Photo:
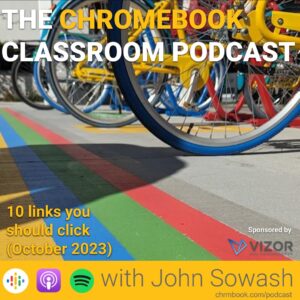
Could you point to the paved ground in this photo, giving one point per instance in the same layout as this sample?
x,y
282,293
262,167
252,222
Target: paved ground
x,y
259,188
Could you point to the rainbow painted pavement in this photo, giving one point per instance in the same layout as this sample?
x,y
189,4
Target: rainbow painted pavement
x,y
142,222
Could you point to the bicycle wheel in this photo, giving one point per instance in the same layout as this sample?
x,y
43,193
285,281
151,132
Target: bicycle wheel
x,y
43,85
24,86
94,100
281,76
196,134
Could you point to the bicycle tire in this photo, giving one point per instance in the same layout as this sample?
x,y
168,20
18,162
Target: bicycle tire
x,y
16,68
80,115
171,135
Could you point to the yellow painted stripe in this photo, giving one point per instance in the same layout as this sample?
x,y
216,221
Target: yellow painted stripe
x,y
13,196
2,142
131,129
220,129
134,129
10,185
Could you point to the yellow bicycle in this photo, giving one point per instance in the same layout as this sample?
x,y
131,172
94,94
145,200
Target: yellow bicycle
x,y
202,107
229,125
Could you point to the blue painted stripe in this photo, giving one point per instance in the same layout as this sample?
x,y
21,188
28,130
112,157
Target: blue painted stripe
x,y
37,175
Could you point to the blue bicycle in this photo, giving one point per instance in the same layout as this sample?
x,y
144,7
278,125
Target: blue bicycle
x,y
98,103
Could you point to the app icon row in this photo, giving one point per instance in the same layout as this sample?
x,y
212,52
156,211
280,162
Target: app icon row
x,y
16,281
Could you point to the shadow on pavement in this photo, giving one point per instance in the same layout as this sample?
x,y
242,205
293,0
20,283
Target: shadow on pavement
x,y
58,180
276,147
285,145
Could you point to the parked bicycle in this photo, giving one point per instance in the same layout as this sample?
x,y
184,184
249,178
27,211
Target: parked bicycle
x,y
229,126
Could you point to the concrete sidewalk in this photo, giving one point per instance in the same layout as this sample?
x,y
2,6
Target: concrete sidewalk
x,y
259,188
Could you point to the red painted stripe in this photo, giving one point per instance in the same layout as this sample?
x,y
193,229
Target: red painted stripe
x,y
199,227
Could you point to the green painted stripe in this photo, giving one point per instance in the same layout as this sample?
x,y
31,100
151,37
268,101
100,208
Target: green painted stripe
x,y
143,234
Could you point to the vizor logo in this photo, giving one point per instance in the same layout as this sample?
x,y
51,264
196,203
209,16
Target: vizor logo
x,y
270,246
237,247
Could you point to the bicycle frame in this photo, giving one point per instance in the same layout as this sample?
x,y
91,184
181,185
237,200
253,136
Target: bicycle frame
x,y
259,32
168,66
58,8
185,66
44,36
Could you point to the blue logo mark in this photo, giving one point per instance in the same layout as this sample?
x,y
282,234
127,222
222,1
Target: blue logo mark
x,y
237,247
